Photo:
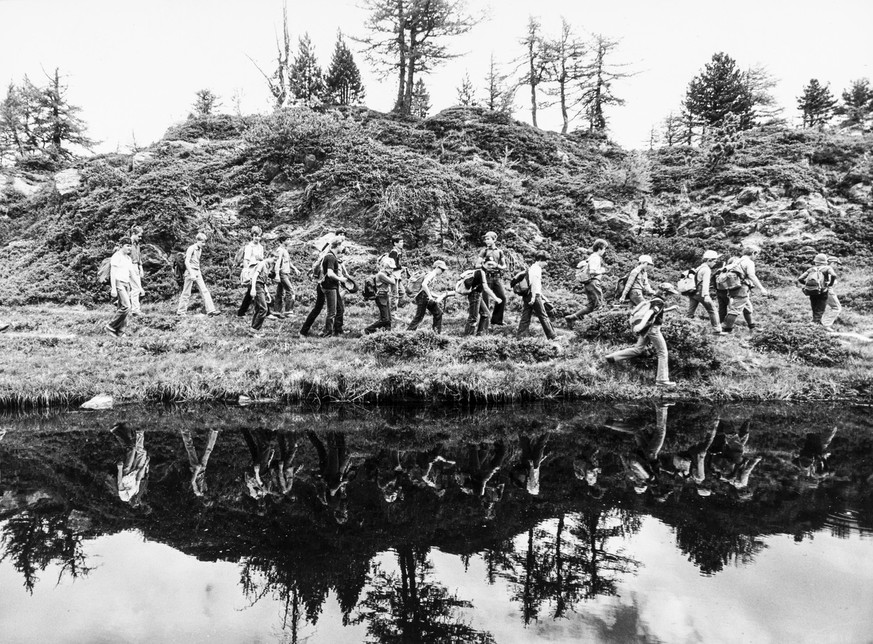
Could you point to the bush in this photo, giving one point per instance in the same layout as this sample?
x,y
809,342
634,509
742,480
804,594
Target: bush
x,y
403,344
807,343
607,326
494,348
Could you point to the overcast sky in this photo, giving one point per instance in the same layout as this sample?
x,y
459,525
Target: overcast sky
x,y
134,65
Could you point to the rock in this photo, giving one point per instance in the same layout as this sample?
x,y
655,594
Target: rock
x,y
859,193
743,214
749,194
100,401
310,163
601,205
817,205
24,187
142,157
20,243
67,181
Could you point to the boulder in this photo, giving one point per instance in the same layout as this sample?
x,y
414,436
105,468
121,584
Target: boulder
x,y
67,181
817,204
100,401
142,157
743,214
859,193
748,195
310,163
602,205
24,187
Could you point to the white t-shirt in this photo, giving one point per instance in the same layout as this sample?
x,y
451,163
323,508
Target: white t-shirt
x,y
119,267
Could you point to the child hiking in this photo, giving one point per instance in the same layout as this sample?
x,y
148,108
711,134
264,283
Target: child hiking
x,y
493,261
590,273
701,294
816,283
425,299
637,283
534,301
741,293
385,283
193,275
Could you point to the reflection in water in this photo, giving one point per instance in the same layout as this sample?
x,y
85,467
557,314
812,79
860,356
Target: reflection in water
x,y
552,505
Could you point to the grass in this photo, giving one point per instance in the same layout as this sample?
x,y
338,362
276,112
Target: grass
x,y
58,356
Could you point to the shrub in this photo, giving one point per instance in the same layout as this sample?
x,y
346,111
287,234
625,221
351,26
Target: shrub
x,y
607,326
494,348
403,344
806,343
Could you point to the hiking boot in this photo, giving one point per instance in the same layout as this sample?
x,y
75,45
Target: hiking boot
x,y
610,360
726,331
719,332
214,314
568,321
109,329
665,383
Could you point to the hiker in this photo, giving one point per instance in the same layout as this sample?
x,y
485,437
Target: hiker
x,y
134,468
136,272
284,296
335,471
834,308
260,294
816,283
333,299
525,471
590,272
261,449
648,317
493,260
318,275
534,302
721,293
637,283
253,253
426,300
120,269
399,256
478,311
197,464
701,294
385,283
740,296
193,275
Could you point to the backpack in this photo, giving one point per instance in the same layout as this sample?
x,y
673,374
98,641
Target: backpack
x,y
177,261
520,283
619,286
415,282
728,277
464,285
816,281
103,270
583,271
643,315
369,292
687,284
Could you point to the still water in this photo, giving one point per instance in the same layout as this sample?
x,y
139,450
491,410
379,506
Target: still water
x,y
637,523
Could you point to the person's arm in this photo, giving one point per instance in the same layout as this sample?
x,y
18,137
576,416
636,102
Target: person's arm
x,y
113,285
501,261
487,290
254,282
750,273
627,285
832,276
704,277
386,278
188,255
802,279
277,266
294,268
425,284
645,284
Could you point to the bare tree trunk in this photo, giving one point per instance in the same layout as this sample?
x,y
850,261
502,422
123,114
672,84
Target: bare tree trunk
x,y
410,71
402,57
564,115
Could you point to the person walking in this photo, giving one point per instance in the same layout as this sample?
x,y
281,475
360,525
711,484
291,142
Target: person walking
x,y
330,285
136,272
132,471
637,283
816,283
284,296
385,282
398,254
120,269
317,272
741,296
428,302
478,311
721,294
193,275
253,254
591,271
650,316
834,308
260,293
701,295
493,261
534,301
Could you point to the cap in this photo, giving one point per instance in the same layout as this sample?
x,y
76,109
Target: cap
x,y
646,259
710,254
821,258
388,262
440,264
667,287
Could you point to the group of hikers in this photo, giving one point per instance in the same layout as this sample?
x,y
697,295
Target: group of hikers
x,y
721,285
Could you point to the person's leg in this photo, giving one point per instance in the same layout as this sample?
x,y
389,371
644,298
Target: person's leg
x,y
473,301
246,301
383,307
540,310
524,320
736,306
260,313
122,308
330,302
631,352
185,297
832,311
394,289
747,312
713,314
204,293
420,309
657,340
588,307
484,316
135,291
436,310
315,312
496,284
339,320
693,301
819,302
723,302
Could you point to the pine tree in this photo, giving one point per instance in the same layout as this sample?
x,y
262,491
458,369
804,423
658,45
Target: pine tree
x,y
59,122
857,107
717,91
564,68
671,133
498,97
306,82
534,63
343,79
816,104
205,102
466,93
596,82
277,81
420,100
759,84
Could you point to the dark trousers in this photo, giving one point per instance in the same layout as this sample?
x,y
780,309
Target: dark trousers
x,y
424,304
723,301
594,293
284,299
383,304
122,307
315,312
534,307
495,283
478,314
333,322
261,308
818,302
246,301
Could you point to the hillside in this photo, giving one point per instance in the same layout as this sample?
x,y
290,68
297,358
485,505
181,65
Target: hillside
x,y
442,182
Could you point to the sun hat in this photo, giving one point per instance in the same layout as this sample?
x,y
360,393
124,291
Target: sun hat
x,y
440,264
821,258
667,287
710,254
646,259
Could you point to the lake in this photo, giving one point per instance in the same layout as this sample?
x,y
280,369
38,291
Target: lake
x,y
542,523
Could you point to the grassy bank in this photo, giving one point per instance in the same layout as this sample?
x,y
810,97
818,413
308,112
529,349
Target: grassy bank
x,y
58,356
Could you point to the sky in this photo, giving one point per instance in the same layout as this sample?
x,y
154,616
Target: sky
x,y
133,66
